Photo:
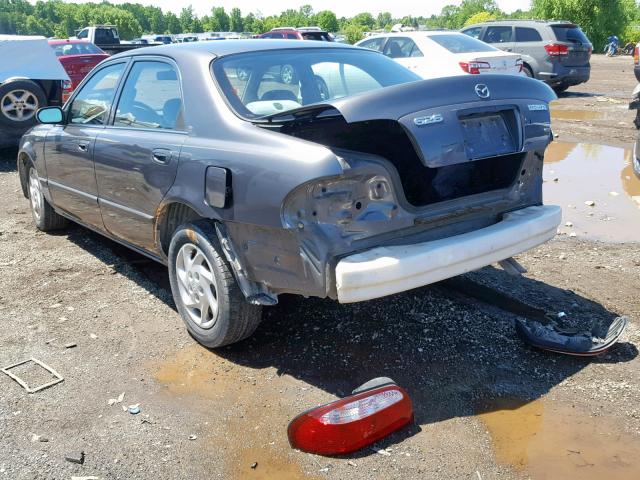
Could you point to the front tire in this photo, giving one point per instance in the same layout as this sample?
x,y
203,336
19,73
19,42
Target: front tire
x,y
44,216
205,290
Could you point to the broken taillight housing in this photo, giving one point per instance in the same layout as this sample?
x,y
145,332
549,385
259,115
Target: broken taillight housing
x,y
353,422
556,50
474,68
67,90
519,65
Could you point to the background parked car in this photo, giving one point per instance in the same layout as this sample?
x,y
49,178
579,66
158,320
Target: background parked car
x,y
303,33
78,58
444,54
557,52
31,80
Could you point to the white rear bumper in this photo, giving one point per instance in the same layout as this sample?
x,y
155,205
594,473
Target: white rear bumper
x,y
387,270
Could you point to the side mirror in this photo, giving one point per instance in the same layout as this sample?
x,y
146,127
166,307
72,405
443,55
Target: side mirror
x,y
50,115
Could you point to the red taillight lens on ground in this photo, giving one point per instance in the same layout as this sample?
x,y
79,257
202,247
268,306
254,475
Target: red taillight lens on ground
x,y
556,50
67,90
474,68
352,423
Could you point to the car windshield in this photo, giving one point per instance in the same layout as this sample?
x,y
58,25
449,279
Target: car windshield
x,y
83,48
460,43
260,84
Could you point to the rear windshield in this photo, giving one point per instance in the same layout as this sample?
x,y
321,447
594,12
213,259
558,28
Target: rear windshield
x,y
460,43
263,83
84,48
322,36
570,33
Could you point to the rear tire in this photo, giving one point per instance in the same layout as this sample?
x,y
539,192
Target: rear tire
x,y
560,89
19,103
44,216
205,290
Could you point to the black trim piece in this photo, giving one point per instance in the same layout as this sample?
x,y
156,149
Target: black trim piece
x,y
125,209
72,190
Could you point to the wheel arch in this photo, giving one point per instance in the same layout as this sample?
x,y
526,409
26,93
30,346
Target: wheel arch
x,y
24,159
169,216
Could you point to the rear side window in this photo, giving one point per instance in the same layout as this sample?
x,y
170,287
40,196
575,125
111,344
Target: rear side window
x,y
150,98
473,32
527,35
91,105
498,35
105,35
401,48
569,33
292,36
459,43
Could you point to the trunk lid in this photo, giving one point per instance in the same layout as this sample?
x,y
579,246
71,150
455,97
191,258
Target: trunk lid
x,y
454,120
78,66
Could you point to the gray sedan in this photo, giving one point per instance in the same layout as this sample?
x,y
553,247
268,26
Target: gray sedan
x,y
256,168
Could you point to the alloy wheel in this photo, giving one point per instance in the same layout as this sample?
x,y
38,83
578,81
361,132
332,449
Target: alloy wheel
x,y
35,193
196,283
19,105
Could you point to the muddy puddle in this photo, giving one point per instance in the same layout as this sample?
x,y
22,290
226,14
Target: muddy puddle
x,y
549,441
246,412
578,115
576,173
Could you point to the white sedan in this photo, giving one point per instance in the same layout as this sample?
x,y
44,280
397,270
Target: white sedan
x,y
434,54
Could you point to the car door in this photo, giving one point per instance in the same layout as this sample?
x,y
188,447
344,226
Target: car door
x,y
500,36
69,148
136,155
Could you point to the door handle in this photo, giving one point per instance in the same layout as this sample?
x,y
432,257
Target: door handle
x,y
161,156
83,147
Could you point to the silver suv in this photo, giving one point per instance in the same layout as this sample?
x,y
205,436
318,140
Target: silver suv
x,y
556,52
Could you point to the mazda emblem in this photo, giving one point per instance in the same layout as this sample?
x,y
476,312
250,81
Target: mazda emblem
x,y
482,91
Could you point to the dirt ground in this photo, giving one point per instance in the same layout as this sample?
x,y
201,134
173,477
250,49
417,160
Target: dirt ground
x,y
486,405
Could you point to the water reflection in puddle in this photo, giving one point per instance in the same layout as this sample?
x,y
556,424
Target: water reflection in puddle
x,y
556,441
576,173
567,114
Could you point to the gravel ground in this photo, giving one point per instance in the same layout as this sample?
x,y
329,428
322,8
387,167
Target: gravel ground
x,y
486,406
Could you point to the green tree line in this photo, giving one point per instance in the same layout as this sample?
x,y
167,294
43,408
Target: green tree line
x,y
598,18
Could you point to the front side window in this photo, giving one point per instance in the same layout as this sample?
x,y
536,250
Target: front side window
x,y
91,104
498,35
151,97
83,34
260,84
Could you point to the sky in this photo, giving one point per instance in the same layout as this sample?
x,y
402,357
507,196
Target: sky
x,y
346,8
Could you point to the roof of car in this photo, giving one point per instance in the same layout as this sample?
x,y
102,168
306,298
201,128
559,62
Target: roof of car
x,y
70,41
521,22
230,47
419,33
